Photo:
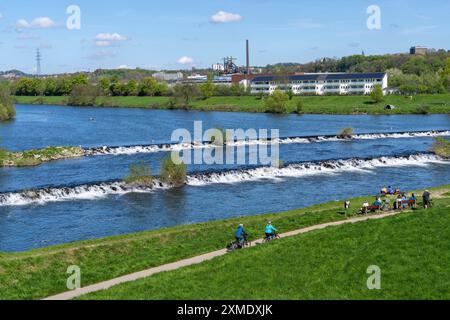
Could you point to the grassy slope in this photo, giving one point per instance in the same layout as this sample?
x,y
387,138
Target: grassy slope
x,y
316,105
412,250
40,273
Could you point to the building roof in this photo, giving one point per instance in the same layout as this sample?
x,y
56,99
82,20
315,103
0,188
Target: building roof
x,y
321,77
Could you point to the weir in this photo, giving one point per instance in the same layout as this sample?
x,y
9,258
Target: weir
x,y
244,174
169,147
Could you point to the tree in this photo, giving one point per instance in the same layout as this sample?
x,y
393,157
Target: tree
x,y
173,173
184,94
7,110
277,102
130,88
377,94
105,85
84,95
207,89
445,75
148,87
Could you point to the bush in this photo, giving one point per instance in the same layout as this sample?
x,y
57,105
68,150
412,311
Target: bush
x,y
441,147
139,175
184,94
299,106
7,110
422,110
345,133
277,102
173,173
84,95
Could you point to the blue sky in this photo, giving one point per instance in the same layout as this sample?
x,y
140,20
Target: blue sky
x,y
173,34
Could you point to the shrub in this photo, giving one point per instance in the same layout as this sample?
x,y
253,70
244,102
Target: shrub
x,y
139,175
299,106
422,110
277,102
7,110
345,133
184,94
173,173
83,95
441,147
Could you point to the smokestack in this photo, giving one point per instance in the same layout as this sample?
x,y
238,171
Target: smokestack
x,y
248,56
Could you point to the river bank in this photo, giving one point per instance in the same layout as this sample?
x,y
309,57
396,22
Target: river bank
x,y
345,105
40,273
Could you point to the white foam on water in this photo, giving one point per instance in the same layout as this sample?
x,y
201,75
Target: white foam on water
x,y
292,140
311,168
101,190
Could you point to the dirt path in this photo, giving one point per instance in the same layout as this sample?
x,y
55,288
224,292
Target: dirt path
x,y
199,259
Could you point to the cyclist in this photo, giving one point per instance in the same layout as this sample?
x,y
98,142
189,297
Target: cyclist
x,y
270,231
240,235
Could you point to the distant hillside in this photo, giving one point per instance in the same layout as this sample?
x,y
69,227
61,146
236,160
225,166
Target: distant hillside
x,y
409,64
13,73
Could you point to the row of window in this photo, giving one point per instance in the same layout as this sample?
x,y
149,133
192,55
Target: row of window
x,y
312,81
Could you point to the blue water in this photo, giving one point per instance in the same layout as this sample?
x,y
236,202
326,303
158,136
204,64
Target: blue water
x,y
37,225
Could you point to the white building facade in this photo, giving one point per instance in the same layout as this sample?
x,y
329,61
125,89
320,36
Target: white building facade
x,y
321,83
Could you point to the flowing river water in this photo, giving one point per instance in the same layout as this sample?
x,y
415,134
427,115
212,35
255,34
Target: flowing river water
x,y
78,199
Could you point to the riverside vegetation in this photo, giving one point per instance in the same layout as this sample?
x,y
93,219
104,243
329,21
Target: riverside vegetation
x,y
37,157
419,104
7,110
441,147
172,173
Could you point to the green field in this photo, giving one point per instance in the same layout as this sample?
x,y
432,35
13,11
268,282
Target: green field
x,y
42,272
412,250
436,104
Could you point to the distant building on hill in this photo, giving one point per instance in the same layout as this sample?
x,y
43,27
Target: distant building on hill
x,y
169,77
418,50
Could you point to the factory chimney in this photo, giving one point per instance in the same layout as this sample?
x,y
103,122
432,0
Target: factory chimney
x,y
248,57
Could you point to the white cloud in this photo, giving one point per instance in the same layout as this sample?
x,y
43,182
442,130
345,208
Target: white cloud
x,y
1,15
124,66
38,23
185,60
225,17
110,37
43,22
22,24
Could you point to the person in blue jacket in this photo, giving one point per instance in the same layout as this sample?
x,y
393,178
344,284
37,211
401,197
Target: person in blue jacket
x,y
240,234
270,230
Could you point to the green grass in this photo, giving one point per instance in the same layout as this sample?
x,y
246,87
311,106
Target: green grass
x,y
42,272
412,250
36,157
435,104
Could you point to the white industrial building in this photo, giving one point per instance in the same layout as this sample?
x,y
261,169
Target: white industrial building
x,y
321,83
